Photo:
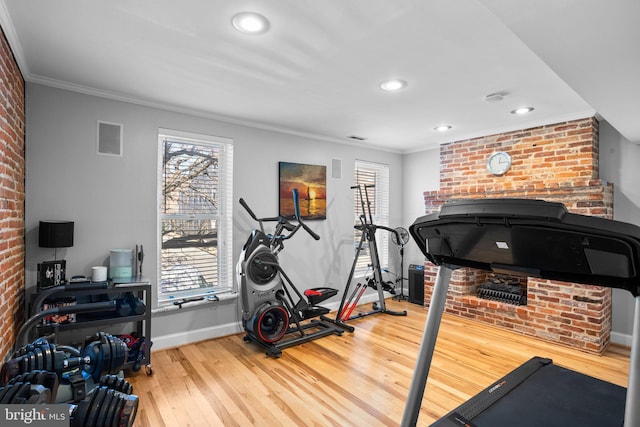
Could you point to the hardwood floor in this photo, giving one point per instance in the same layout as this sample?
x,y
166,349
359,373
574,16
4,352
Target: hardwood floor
x,y
358,379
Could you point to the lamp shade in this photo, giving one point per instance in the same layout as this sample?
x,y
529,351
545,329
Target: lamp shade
x,y
56,234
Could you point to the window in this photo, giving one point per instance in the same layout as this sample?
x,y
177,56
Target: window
x,y
368,173
194,215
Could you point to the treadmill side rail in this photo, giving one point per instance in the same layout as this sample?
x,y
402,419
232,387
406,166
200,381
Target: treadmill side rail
x,y
427,347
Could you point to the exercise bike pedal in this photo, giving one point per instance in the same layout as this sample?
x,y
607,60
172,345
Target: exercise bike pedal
x,y
317,295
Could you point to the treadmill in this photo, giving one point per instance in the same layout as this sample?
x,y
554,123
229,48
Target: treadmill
x,y
539,239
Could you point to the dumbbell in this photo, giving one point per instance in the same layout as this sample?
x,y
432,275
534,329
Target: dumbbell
x,y
105,406
130,306
116,383
40,355
32,388
44,386
24,393
103,354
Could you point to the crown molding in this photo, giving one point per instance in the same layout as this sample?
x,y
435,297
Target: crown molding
x,y
12,38
46,81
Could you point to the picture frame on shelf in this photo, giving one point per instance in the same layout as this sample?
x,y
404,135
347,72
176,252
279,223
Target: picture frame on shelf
x,y
51,273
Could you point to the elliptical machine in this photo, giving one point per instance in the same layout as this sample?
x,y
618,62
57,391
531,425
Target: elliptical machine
x,y
368,230
270,316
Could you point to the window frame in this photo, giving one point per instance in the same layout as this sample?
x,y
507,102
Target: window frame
x,y
223,216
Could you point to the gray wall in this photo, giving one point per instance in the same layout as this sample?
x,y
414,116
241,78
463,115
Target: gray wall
x,y
420,173
619,161
113,200
114,204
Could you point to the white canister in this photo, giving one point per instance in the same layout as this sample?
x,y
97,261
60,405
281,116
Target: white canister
x,y
99,274
121,263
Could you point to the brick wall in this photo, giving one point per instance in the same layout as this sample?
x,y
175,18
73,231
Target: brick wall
x,y
12,173
553,156
557,163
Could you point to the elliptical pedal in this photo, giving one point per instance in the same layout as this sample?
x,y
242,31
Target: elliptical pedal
x,y
317,295
314,311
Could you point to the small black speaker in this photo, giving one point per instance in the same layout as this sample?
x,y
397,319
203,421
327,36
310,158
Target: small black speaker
x,y
416,284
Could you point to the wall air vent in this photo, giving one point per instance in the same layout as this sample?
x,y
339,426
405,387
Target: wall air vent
x,y
109,138
336,168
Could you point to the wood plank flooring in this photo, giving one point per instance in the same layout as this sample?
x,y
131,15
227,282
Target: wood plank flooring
x,y
357,379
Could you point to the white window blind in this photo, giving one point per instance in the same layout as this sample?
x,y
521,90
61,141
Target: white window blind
x,y
195,215
377,174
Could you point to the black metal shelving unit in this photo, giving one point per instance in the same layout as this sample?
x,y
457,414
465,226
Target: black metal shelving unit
x,y
138,286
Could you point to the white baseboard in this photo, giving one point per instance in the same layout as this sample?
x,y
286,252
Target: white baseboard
x,y
188,337
622,339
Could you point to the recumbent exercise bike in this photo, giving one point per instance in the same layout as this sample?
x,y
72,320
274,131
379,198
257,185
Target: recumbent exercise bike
x,y
271,317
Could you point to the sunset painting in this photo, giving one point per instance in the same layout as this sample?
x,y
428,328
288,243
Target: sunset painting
x,y
311,182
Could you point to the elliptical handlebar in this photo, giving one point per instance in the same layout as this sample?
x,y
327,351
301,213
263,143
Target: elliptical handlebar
x,y
250,212
283,221
296,209
248,209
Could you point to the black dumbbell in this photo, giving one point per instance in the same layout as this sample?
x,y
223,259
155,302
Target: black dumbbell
x,y
40,355
103,354
105,406
44,386
137,306
116,383
130,305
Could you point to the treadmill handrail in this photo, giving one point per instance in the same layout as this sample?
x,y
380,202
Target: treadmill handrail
x,y
459,239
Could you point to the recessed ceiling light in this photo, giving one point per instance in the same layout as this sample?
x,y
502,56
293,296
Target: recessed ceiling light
x,y
393,85
250,23
442,128
522,110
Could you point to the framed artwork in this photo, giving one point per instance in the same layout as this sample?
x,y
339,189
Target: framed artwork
x,y
51,273
311,182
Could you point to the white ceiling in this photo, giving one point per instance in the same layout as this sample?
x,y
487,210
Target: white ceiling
x,y
316,72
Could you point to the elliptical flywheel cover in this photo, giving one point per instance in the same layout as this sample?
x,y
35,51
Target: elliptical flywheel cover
x,y
261,273
270,322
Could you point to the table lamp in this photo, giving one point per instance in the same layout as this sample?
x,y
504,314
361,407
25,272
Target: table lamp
x,y
56,234
53,234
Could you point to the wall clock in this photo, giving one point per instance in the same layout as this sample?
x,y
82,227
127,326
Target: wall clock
x,y
499,163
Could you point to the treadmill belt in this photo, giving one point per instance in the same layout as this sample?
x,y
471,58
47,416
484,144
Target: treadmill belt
x,y
551,396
